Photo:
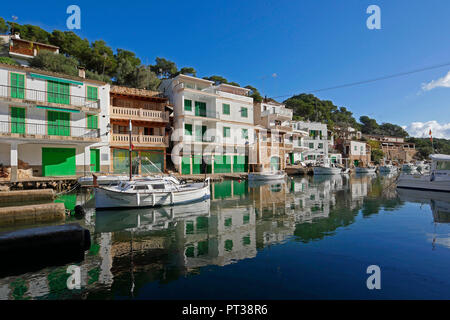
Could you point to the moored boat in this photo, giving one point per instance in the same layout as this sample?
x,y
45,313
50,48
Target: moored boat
x,y
267,176
370,169
438,179
160,191
328,170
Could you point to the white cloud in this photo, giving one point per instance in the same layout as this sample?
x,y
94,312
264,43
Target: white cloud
x,y
443,82
422,129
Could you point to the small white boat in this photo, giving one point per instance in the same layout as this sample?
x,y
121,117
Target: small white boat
x,y
388,168
267,176
408,167
369,169
153,192
437,180
328,170
103,180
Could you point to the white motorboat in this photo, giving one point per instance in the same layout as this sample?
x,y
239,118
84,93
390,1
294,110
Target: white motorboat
x,y
370,169
328,170
408,167
154,192
266,176
103,180
437,180
388,168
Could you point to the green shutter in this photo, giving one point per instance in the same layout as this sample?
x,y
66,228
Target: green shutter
x,y
18,120
245,133
58,92
58,123
188,105
188,129
186,165
95,160
92,93
92,121
240,164
225,108
200,109
58,162
244,112
17,86
226,132
200,133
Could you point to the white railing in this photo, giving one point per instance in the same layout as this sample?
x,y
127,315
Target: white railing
x,y
117,138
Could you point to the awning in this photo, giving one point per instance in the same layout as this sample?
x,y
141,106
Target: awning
x,y
40,76
58,109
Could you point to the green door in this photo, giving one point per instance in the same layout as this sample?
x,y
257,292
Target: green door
x,y
222,164
58,123
58,92
17,120
356,163
200,133
186,165
200,109
197,165
275,163
58,162
95,160
291,157
240,164
17,86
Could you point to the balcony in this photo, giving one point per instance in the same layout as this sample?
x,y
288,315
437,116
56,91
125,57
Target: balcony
x,y
38,97
122,140
139,114
284,128
273,113
44,131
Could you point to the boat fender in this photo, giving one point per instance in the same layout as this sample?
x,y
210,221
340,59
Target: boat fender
x,y
138,199
79,211
153,199
171,198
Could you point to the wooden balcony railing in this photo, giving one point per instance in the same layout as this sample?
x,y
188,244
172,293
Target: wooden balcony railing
x,y
139,114
124,139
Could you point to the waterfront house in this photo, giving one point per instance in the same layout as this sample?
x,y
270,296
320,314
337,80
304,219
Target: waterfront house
x,y
51,124
358,153
394,148
149,117
317,142
213,125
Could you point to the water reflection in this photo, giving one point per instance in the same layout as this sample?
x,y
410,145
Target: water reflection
x,y
135,248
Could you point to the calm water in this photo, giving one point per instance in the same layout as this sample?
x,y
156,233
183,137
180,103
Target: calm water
x,y
309,238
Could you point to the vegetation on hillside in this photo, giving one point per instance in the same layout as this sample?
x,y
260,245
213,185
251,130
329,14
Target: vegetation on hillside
x,y
424,148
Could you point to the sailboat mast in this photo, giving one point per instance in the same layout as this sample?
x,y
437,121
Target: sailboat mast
x,y
129,130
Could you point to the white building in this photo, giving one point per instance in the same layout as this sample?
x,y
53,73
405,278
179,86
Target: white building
x,y
316,143
213,125
52,124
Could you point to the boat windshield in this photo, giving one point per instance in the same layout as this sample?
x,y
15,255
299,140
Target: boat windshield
x,y
442,165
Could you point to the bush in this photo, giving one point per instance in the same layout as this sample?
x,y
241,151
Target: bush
x,y
49,61
8,60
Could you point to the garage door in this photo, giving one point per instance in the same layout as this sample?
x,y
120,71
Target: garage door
x,y
58,162
186,165
240,164
222,164
152,161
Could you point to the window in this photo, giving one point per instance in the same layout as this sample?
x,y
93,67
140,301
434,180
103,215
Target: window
x,y
225,108
228,245
244,112
311,145
17,120
17,85
356,148
320,146
58,92
92,121
228,222
58,123
226,132
187,105
246,219
245,134
442,165
188,129
362,148
200,109
92,93
149,131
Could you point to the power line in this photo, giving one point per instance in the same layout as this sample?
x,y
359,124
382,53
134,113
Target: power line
x,y
351,84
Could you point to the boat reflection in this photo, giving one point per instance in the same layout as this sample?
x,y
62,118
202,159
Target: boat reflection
x,y
439,202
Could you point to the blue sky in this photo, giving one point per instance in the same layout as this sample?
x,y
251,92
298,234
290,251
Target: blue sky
x,y
307,44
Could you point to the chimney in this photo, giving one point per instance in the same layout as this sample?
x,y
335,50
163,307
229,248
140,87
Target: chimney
x,y
82,72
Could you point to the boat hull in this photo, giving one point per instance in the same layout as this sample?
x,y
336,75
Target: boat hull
x,y
107,199
265,177
423,182
326,171
365,170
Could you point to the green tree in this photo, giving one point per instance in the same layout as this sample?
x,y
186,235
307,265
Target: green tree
x,y
254,93
188,71
164,68
49,61
102,59
8,60
30,32
127,63
377,155
145,78
216,79
3,26
369,126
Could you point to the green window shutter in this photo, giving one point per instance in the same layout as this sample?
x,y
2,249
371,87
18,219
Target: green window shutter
x,y
187,105
188,129
200,109
58,123
244,133
17,86
92,121
18,120
225,108
92,93
58,92
200,132
226,132
244,112
311,145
